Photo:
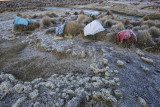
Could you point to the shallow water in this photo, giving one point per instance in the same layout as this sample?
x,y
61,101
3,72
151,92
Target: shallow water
x,y
89,11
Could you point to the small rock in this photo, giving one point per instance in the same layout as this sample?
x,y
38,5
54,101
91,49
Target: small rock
x,y
37,104
120,63
69,51
105,61
34,94
52,93
140,53
112,82
5,86
142,102
118,93
19,102
57,38
145,69
147,60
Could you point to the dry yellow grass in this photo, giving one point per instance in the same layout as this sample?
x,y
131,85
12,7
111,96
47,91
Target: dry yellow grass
x,y
155,32
109,12
80,18
25,16
101,15
136,23
118,27
51,14
150,23
144,39
145,18
18,14
81,12
31,26
72,28
45,21
127,21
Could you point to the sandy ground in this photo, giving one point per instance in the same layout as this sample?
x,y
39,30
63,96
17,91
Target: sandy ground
x,y
38,71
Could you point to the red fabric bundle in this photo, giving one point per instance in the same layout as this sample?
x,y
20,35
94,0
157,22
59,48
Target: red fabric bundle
x,y
126,34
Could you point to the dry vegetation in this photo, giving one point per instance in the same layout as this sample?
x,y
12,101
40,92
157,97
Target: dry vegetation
x,y
72,28
144,39
45,21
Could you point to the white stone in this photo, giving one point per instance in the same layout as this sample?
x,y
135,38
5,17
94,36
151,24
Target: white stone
x,y
19,102
120,63
34,94
105,61
140,53
5,86
52,93
145,69
150,61
49,84
142,102
118,93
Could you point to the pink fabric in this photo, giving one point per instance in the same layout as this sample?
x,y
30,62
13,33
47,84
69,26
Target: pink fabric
x,y
126,34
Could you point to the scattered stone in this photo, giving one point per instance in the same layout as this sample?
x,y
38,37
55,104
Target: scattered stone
x,y
74,102
145,69
52,93
112,82
147,60
118,93
142,102
19,102
57,38
115,71
120,63
37,104
105,61
5,86
140,53
49,84
34,94
69,51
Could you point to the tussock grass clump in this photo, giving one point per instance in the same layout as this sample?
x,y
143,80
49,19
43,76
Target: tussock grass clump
x,y
87,20
136,23
45,21
144,39
51,14
25,16
112,37
109,12
101,15
109,23
18,14
81,12
127,21
150,23
98,36
118,27
143,27
72,28
67,13
75,13
155,32
31,26
80,18
146,17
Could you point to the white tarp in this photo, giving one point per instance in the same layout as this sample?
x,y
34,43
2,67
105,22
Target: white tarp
x,y
93,28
